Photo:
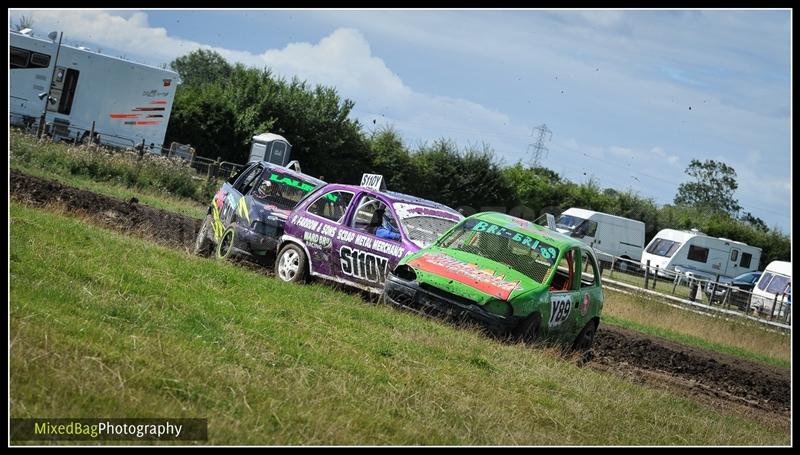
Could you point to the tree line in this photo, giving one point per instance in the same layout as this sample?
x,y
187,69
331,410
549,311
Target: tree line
x,y
219,106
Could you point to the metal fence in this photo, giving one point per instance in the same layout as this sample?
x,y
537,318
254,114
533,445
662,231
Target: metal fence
x,y
208,168
711,295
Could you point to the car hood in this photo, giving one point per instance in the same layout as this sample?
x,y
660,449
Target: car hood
x,y
468,275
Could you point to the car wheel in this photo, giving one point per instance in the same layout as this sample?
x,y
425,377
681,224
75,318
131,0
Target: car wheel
x,y
622,265
225,246
584,340
528,330
290,265
203,245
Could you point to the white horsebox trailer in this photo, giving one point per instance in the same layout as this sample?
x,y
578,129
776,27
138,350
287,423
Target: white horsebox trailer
x,y
692,252
129,102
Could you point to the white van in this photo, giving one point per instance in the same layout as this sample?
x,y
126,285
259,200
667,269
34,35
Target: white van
x,y
695,253
773,291
609,235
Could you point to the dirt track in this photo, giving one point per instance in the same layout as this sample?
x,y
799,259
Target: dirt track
x,y
166,228
718,377
702,371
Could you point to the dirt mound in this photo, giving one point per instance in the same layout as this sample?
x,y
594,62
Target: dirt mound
x,y
708,372
166,228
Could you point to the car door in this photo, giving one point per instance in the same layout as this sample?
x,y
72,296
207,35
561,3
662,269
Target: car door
x,y
320,225
226,200
565,298
590,297
367,240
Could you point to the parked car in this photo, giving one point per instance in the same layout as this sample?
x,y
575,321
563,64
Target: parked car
x,y
355,234
514,276
247,214
740,288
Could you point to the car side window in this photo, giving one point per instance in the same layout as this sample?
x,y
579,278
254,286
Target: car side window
x,y
248,180
251,180
236,176
332,205
589,270
375,218
564,278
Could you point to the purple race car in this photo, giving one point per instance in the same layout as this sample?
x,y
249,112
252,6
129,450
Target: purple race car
x,y
355,234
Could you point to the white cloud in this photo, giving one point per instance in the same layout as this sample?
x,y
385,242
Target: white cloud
x,y
343,60
655,154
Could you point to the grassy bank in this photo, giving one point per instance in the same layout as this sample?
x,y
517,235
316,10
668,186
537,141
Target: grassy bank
x,y
118,174
746,340
115,326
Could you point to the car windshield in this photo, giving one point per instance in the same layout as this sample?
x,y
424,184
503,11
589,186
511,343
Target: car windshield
x,y
569,222
748,278
423,225
281,190
523,253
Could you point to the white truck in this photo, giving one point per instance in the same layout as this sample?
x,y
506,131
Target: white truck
x,y
699,255
129,102
609,235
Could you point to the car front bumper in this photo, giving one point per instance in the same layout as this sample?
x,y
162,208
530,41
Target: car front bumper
x,y
410,295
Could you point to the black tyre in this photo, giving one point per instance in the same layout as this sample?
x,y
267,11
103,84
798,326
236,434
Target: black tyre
x,y
225,245
290,265
584,340
528,330
203,244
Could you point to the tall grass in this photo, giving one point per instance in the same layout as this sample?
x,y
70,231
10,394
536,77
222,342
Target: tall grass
x,y
112,326
172,176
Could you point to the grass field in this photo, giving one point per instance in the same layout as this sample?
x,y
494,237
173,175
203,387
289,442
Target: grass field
x,y
748,341
104,325
663,285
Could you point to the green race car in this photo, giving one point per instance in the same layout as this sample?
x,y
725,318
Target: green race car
x,y
515,276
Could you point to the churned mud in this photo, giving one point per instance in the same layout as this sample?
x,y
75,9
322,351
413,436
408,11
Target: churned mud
x,y
698,371
167,228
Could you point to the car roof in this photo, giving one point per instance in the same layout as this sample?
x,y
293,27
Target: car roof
x,y
285,170
530,229
393,196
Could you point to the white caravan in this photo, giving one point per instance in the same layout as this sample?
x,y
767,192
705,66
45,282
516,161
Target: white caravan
x,y
129,102
609,235
773,291
699,255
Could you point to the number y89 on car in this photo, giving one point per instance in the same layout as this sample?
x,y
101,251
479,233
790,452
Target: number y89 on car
x,y
560,306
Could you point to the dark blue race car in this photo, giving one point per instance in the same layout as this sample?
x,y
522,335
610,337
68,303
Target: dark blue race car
x,y
247,214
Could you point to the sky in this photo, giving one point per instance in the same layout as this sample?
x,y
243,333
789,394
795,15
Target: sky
x,y
630,97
